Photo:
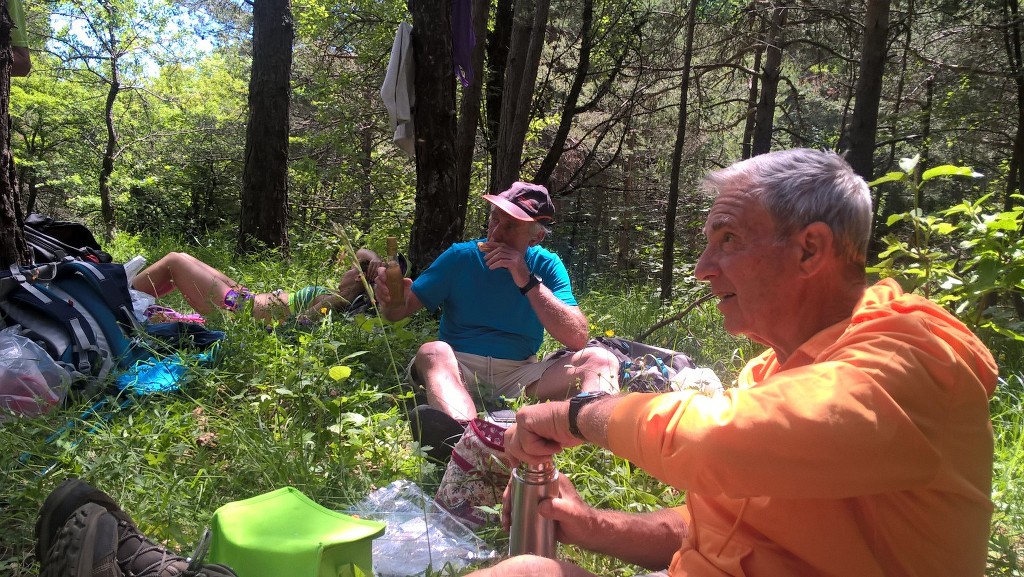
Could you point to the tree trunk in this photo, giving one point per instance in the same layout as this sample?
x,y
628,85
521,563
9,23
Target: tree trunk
x,y
469,115
110,152
906,52
860,135
531,17
752,92
437,222
366,195
547,166
1012,32
264,212
625,244
926,132
668,248
498,41
764,117
27,177
12,241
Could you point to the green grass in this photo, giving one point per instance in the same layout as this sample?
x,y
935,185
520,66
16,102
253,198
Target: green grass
x,y
272,412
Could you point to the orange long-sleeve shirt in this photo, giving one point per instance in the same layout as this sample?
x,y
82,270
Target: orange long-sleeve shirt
x,y
868,453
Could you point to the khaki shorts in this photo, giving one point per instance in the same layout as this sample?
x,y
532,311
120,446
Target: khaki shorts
x,y
488,378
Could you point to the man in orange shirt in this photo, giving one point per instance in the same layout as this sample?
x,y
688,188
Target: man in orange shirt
x,y
858,444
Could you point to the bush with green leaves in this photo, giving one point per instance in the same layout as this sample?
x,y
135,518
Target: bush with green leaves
x,y
969,257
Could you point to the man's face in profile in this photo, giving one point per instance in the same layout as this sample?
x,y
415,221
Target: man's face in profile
x,y
749,269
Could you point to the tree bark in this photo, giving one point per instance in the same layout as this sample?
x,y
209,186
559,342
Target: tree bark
x,y
861,133
12,241
469,116
625,243
1012,40
531,17
498,41
752,92
264,211
366,134
437,222
668,248
110,152
547,166
764,116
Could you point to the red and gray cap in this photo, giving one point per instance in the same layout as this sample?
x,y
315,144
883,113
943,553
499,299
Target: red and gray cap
x,y
525,201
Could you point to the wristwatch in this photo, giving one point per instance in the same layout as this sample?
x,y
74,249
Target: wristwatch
x,y
534,281
576,404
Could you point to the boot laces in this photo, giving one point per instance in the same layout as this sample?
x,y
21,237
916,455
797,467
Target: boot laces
x,y
167,560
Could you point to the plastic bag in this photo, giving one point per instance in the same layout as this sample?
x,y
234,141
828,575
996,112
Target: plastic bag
x,y
140,302
419,534
31,382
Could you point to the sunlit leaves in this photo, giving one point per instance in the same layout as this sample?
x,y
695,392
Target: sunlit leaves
x,y
339,372
967,257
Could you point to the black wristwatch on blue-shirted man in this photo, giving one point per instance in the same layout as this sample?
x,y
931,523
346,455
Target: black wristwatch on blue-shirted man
x,y
534,281
576,404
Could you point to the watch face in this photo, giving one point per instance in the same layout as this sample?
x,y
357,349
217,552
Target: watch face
x,y
588,394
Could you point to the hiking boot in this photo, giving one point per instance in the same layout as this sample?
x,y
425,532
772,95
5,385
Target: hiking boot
x,y
138,556
84,546
135,554
434,428
67,498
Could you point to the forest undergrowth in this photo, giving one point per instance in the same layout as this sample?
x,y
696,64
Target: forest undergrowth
x,y
320,408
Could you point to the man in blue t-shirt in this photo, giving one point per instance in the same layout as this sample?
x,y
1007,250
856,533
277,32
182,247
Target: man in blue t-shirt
x,y
497,296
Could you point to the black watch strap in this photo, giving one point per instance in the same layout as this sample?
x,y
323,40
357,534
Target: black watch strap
x,y
576,404
530,284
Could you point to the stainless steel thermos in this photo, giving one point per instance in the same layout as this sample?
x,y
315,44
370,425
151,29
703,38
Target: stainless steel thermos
x,y
530,532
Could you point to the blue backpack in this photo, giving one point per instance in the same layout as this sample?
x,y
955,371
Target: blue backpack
x,y
79,312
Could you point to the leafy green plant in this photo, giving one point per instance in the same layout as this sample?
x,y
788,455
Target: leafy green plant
x,y
967,257
1005,542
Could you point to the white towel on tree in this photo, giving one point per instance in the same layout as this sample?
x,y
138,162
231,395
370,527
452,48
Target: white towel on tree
x,y
397,90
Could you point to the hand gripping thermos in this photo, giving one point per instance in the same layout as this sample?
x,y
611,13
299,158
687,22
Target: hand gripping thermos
x,y
530,532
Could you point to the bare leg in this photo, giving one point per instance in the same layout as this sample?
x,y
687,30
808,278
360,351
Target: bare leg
x,y
437,366
202,285
532,566
589,369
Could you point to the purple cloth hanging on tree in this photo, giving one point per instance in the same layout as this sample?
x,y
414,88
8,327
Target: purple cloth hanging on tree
x,y
463,40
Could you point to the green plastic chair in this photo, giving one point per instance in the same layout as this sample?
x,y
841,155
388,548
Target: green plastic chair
x,y
284,533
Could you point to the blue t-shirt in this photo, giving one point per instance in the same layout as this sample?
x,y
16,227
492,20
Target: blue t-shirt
x,y
482,310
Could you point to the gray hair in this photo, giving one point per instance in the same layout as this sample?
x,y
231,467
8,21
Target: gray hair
x,y
802,186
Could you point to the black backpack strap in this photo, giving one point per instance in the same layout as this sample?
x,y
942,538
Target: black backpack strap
x,y
85,351
111,283
44,247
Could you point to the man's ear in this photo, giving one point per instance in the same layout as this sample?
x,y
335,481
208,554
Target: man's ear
x,y
538,237
817,246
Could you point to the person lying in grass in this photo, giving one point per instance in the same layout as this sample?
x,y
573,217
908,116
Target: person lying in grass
x,y
206,289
